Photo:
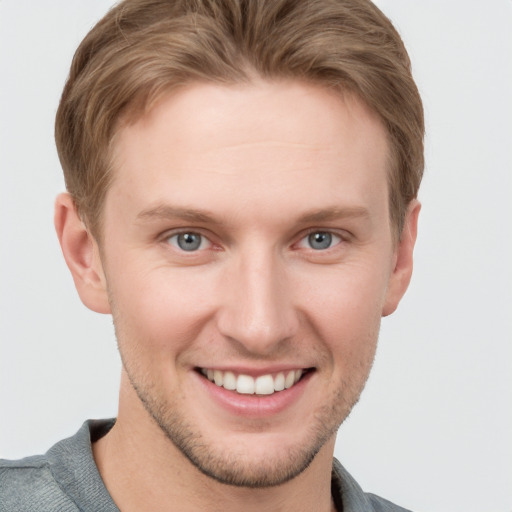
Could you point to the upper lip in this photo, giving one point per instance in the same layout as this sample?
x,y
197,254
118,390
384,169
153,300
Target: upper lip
x,y
256,372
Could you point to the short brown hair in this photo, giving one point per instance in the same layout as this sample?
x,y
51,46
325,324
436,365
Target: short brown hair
x,y
143,48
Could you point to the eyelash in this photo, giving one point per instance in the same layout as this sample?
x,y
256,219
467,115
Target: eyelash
x,y
203,240
334,240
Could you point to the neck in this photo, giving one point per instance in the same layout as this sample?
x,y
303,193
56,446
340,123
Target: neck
x,y
143,470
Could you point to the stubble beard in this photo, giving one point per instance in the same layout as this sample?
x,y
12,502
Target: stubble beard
x,y
233,468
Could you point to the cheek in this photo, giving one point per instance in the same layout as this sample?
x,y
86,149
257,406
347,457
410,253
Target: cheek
x,y
344,307
164,308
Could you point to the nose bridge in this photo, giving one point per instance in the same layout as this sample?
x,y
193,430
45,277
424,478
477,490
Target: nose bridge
x,y
258,308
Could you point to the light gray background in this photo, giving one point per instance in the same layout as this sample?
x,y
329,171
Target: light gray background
x,y
433,431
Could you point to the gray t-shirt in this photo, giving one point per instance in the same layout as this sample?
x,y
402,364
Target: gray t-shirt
x,y
66,479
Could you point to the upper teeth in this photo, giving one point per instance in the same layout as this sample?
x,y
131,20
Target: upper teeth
x,y
247,385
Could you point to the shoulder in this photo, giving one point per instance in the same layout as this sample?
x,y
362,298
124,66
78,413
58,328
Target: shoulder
x,y
28,484
65,479
382,505
349,497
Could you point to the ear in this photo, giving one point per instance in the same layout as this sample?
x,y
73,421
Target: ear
x,y
402,260
82,255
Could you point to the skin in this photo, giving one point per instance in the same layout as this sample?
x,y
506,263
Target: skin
x,y
254,175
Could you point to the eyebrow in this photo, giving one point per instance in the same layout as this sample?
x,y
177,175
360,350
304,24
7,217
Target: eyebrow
x,y
164,212
167,212
330,214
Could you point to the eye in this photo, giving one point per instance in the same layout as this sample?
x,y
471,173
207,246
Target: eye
x,y
189,241
320,240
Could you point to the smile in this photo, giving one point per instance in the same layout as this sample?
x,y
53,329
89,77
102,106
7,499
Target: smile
x,y
246,385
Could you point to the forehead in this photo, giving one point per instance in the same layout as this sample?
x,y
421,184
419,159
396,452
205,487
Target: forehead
x,y
282,143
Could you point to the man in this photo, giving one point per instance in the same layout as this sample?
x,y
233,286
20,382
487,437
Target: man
x,y
242,180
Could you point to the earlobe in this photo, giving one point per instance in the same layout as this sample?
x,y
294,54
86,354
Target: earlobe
x,y
82,255
403,260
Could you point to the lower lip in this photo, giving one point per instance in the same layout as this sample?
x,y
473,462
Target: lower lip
x,y
255,406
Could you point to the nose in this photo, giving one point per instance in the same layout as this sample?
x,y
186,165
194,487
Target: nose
x,y
258,311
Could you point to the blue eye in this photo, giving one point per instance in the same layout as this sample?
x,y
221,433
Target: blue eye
x,y
320,240
188,241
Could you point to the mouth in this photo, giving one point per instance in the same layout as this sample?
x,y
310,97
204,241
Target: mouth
x,y
266,384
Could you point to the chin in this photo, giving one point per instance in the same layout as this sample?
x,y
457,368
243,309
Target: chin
x,y
256,459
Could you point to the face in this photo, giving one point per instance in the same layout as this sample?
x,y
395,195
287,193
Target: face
x,y
248,255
